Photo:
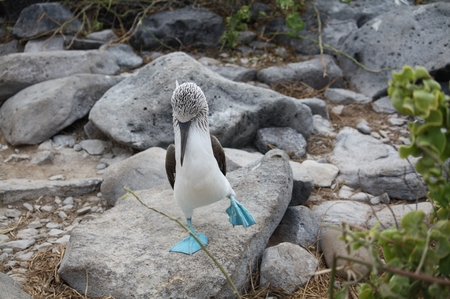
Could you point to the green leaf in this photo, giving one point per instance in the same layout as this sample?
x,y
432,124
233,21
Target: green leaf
x,y
433,139
294,22
425,101
286,4
444,266
421,73
433,85
412,220
365,291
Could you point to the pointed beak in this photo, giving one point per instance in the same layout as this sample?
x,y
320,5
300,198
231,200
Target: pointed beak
x,y
184,130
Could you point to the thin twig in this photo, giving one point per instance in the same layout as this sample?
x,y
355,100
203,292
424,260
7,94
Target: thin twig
x,y
319,37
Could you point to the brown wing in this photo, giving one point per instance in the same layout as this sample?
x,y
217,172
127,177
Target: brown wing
x,y
171,164
219,154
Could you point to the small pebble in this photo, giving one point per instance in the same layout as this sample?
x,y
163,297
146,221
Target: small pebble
x,y
62,215
68,201
58,177
101,166
47,208
77,147
28,206
83,211
338,109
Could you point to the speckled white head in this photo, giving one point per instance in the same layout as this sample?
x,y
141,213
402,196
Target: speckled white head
x,y
188,102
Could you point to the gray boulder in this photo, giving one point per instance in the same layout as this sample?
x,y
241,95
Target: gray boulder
x,y
18,71
13,190
140,264
178,28
55,43
300,225
384,105
337,211
287,139
126,58
10,289
44,18
139,113
338,21
141,171
317,106
407,35
106,35
235,73
332,246
23,121
9,48
309,72
287,266
344,97
367,163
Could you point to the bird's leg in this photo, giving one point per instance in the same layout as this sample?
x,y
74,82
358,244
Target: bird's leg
x,y
239,215
189,245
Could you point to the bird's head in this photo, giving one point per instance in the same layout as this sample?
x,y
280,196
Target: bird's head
x,y
188,101
189,106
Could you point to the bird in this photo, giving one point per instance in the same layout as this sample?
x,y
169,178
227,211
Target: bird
x,y
196,164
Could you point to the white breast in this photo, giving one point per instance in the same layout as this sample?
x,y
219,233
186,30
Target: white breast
x,y
199,181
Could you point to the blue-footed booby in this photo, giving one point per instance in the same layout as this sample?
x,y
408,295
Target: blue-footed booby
x,y
196,166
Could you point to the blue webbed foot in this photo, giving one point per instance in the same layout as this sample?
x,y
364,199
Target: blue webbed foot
x,y
239,215
189,245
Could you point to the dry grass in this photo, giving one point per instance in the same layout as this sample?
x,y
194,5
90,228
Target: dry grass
x,y
43,281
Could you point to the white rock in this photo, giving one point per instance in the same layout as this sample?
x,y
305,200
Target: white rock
x,y
52,225
4,239
336,211
12,213
67,207
43,247
27,233
68,201
56,232
83,211
35,224
24,256
63,240
287,266
28,206
62,215
346,192
47,208
338,109
58,177
361,196
18,244
323,174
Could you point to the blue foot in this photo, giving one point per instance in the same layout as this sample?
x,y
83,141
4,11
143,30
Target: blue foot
x,y
189,245
239,215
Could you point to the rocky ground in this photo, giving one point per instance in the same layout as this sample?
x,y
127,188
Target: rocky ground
x,y
57,216
34,233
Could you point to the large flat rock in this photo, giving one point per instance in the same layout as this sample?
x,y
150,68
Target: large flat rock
x,y
412,35
137,112
22,189
20,70
125,252
367,163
